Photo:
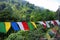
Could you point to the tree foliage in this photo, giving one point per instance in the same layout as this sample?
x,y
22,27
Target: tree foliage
x,y
13,10
20,10
28,35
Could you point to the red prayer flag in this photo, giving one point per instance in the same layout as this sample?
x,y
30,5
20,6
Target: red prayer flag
x,y
44,24
25,25
55,23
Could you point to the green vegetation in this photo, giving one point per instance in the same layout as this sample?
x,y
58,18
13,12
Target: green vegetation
x,y
24,11
18,10
27,35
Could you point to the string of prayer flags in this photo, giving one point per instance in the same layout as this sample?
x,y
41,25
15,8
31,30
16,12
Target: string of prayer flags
x,y
5,26
15,26
48,24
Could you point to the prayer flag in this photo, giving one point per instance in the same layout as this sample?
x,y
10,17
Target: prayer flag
x,y
15,26
30,26
25,25
20,25
34,24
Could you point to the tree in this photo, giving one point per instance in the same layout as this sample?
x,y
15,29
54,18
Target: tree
x,y
6,12
27,35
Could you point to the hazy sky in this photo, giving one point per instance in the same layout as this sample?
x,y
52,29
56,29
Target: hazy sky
x,y
48,4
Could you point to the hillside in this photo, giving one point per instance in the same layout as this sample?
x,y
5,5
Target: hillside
x,y
20,10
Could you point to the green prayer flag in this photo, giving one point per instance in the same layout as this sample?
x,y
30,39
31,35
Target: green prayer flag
x,y
30,26
2,27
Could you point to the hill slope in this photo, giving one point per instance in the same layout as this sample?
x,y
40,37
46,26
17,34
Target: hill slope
x,y
20,10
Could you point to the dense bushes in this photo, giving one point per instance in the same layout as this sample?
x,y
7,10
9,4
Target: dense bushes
x,y
24,11
27,35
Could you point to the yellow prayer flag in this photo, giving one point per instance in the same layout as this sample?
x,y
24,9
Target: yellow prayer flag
x,y
34,24
7,25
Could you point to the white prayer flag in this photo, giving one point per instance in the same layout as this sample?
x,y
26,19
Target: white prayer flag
x,y
20,25
47,23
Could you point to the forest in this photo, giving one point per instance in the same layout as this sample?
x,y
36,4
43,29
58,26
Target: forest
x,y
21,10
